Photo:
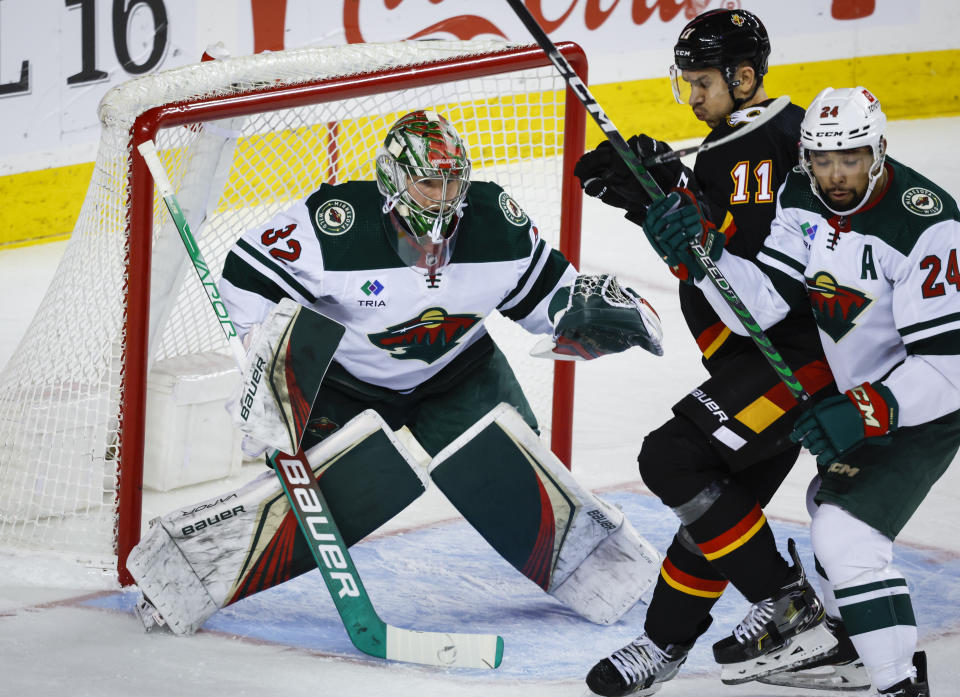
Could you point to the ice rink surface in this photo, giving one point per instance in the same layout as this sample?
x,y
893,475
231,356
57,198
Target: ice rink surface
x,y
66,631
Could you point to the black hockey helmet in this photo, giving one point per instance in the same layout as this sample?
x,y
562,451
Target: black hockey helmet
x,y
723,39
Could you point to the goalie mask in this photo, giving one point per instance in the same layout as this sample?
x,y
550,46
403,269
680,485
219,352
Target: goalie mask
x,y
424,173
721,39
843,120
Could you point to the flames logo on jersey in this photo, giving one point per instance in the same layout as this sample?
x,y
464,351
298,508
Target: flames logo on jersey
x,y
835,307
738,118
426,337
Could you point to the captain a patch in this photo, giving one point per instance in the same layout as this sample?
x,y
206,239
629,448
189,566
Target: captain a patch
x,y
922,201
335,217
512,210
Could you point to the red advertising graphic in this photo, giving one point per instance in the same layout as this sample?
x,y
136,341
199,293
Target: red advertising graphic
x,y
269,17
852,9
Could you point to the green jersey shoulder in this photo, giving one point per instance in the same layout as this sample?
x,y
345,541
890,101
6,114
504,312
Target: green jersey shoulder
x,y
351,227
910,205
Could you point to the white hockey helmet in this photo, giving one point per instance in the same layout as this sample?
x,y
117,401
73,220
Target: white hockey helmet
x,y
844,119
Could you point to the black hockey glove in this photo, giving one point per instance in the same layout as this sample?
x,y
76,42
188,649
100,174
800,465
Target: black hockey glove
x,y
603,174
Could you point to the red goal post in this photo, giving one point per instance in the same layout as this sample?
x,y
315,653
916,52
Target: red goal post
x,y
242,138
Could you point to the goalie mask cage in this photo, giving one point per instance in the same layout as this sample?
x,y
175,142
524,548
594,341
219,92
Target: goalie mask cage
x,y
242,138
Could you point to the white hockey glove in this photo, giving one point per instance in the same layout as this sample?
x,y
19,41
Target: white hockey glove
x,y
597,316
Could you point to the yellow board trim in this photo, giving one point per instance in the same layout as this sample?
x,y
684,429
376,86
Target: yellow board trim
x,y
42,206
901,81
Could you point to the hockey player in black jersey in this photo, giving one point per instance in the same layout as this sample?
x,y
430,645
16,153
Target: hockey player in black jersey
x,y
725,451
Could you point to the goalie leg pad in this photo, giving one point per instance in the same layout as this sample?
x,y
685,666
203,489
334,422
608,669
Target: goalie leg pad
x,y
509,486
242,542
168,582
285,365
611,579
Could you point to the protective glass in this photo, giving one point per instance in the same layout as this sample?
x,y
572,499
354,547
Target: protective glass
x,y
708,83
681,89
420,253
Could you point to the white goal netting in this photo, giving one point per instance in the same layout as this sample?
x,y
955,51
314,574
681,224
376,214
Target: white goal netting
x,y
241,139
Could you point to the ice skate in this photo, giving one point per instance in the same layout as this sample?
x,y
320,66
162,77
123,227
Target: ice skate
x,y
784,631
636,670
839,669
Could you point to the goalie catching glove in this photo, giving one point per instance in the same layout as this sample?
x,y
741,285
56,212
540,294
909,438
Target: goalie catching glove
x,y
596,316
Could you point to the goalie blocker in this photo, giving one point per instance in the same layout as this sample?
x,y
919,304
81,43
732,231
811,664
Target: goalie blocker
x,y
579,549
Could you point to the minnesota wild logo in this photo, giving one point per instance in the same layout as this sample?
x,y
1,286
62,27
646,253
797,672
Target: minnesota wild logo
x,y
835,307
512,210
426,337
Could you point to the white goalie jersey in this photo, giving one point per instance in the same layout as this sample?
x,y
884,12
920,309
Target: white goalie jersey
x,y
330,252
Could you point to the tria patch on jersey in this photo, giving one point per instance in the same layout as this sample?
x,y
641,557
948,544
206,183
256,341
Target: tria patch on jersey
x,y
512,210
426,337
335,217
922,201
372,287
809,232
835,307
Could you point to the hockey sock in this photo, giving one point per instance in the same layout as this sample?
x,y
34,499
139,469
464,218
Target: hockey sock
x,y
686,591
731,530
872,595
723,516
826,590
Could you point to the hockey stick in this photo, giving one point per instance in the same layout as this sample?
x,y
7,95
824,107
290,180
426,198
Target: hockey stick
x,y
653,190
366,630
771,110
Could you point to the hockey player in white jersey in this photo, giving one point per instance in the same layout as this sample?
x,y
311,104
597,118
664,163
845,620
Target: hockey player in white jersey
x,y
871,245
412,264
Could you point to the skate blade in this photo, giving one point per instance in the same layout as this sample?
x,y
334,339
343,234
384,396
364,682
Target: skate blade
x,y
799,651
642,692
847,677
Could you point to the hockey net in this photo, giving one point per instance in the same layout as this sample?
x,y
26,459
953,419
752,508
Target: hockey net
x,y
241,139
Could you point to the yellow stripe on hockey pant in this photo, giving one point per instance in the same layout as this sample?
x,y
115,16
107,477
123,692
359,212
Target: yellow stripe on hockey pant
x,y
716,343
739,542
673,583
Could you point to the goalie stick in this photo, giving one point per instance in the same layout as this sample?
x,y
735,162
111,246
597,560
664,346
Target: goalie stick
x,y
709,266
366,630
